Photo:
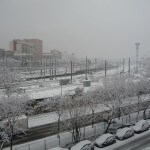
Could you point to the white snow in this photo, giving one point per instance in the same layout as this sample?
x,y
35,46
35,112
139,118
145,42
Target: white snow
x,y
79,145
103,138
51,117
121,132
58,148
139,125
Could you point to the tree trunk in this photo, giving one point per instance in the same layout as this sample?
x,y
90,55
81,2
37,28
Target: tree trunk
x,y
1,148
59,129
109,123
92,118
144,114
11,143
11,138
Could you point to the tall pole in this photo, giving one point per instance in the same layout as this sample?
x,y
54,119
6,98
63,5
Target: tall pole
x,y
129,66
52,69
55,67
137,56
86,70
73,67
71,71
123,64
105,68
95,64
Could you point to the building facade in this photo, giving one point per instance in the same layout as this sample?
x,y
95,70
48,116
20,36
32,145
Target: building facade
x,y
38,47
30,47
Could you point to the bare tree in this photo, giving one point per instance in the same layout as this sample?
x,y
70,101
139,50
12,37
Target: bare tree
x,y
11,108
12,105
59,110
10,82
75,114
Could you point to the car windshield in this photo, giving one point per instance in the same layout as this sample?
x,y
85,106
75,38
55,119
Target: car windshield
x,y
123,131
139,124
103,138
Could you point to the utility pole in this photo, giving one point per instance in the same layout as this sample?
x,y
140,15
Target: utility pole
x,y
44,70
55,67
52,69
123,64
73,67
41,68
129,66
71,71
95,64
137,56
105,68
86,70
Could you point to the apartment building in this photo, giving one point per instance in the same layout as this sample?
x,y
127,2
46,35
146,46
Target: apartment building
x,y
38,47
32,47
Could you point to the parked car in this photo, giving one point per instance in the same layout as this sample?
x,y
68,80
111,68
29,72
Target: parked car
x,y
105,140
58,148
141,126
83,145
124,133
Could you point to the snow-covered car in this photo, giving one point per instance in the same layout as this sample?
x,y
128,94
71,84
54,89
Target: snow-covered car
x,y
58,148
83,145
141,126
105,140
124,133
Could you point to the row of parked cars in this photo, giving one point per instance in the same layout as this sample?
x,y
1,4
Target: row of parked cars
x,y
108,139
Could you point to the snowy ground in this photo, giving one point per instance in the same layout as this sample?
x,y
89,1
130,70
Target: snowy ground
x,y
52,88
51,117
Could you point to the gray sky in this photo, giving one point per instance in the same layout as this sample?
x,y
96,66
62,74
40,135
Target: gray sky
x,y
93,28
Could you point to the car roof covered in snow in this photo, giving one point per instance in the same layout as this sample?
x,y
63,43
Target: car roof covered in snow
x,y
102,138
79,145
139,123
58,148
121,132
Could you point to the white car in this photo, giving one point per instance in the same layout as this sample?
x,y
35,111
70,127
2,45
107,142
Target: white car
x,y
83,145
58,148
105,140
124,133
141,126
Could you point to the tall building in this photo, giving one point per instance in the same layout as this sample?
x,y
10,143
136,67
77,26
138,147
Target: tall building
x,y
32,47
21,47
38,47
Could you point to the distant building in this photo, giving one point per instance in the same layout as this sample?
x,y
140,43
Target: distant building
x,y
38,47
56,54
2,53
31,47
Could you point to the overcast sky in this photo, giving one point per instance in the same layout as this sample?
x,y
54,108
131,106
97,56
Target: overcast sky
x,y
93,28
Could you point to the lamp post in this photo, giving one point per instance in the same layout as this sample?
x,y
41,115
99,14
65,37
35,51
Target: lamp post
x,y
137,55
61,85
